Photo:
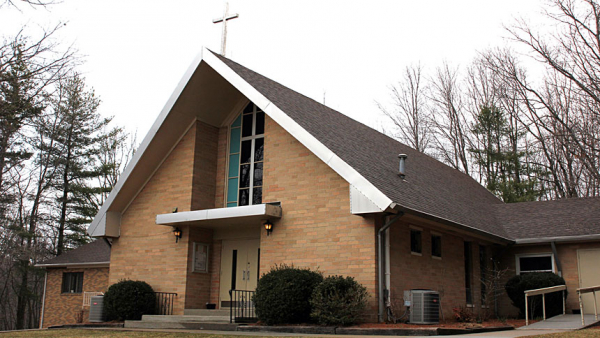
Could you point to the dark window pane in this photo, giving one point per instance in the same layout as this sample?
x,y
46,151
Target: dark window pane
x,y
247,126
244,198
436,246
258,174
468,253
244,176
536,263
257,196
258,149
415,241
248,109
260,123
246,151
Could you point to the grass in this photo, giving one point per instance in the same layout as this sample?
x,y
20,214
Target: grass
x,y
77,333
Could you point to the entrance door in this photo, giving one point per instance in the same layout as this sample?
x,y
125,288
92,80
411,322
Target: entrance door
x,y
239,267
589,275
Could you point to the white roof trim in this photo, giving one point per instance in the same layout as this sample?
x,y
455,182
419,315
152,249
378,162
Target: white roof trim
x,y
87,265
97,227
267,210
343,169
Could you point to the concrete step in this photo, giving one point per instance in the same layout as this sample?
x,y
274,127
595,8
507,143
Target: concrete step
x,y
205,312
186,319
150,324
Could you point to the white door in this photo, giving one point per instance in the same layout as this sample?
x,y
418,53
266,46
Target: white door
x,y
239,267
589,275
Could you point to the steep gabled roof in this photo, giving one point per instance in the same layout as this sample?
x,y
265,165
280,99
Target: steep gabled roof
x,y
94,253
364,157
430,187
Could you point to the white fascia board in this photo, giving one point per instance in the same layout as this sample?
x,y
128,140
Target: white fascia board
x,y
540,240
219,213
342,168
360,204
98,226
75,265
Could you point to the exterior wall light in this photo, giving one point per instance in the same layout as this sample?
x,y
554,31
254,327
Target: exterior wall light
x,y
268,227
178,233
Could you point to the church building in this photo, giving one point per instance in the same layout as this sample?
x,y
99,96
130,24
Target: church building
x,y
240,173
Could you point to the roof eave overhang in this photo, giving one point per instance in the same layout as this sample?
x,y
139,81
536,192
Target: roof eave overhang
x,y
557,239
75,265
215,217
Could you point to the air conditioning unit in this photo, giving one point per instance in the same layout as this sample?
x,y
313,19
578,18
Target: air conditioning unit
x,y
97,309
424,306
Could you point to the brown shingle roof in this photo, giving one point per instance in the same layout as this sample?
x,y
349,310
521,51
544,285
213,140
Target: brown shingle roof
x,y
430,187
560,218
95,252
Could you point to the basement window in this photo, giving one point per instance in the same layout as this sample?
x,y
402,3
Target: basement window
x,y
535,263
416,246
72,282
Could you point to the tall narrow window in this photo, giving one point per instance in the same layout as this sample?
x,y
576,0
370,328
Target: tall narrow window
x,y
246,146
483,270
415,242
468,272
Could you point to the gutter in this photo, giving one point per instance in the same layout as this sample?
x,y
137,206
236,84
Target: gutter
x,y
58,265
384,275
540,240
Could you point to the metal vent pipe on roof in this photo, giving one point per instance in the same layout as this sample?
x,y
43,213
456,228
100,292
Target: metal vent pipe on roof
x,y
402,166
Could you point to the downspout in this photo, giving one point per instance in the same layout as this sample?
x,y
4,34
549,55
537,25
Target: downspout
x,y
556,260
384,276
43,300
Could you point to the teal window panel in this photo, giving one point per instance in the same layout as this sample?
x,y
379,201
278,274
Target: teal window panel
x,y
237,122
232,190
234,165
234,140
231,204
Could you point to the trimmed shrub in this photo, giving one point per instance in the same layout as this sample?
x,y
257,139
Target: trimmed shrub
x,y
517,285
129,300
338,301
283,295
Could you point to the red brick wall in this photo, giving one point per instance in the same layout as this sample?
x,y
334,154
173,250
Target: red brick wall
x,y
317,229
64,308
567,254
445,275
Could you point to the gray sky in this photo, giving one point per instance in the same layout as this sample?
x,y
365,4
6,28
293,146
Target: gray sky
x,y
136,51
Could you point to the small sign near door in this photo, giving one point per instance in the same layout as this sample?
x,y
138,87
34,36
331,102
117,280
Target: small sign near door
x,y
200,257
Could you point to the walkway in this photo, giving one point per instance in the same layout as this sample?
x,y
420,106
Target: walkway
x,y
561,322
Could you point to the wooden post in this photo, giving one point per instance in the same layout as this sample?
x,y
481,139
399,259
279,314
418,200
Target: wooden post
x,y
526,311
544,305
595,306
581,309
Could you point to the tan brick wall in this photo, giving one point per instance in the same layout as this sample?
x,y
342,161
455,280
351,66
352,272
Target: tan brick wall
x,y
445,275
221,167
198,286
567,254
317,229
64,308
147,251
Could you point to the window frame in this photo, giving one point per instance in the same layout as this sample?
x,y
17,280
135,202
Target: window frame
x,y
420,231
252,138
70,290
436,234
544,254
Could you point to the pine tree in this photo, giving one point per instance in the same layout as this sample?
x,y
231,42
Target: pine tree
x,y
500,161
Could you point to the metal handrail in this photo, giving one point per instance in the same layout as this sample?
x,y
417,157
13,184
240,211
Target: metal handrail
x,y
543,292
241,306
593,290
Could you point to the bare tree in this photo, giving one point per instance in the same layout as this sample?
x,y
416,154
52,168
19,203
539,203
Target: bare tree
x,y
410,113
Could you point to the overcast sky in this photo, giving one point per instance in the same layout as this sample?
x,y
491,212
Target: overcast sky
x,y
136,51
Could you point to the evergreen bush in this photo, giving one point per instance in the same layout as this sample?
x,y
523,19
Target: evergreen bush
x,y
129,300
517,285
283,295
338,301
